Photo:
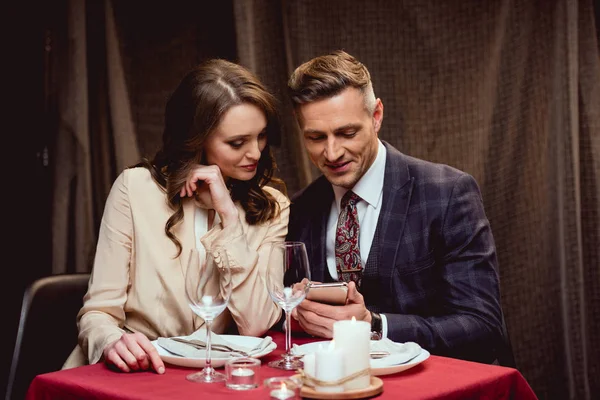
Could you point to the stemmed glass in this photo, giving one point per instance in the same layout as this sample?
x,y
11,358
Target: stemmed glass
x,y
287,283
208,288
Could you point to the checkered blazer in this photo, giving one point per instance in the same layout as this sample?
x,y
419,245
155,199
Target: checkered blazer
x,y
437,259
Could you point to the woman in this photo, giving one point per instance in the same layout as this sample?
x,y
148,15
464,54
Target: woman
x,y
205,187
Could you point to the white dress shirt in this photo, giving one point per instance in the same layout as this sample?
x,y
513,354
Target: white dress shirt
x,y
370,189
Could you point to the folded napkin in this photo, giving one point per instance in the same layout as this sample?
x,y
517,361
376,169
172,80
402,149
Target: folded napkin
x,y
189,351
400,353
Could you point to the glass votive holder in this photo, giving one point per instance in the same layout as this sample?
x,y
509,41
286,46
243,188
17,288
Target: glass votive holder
x,y
242,373
283,388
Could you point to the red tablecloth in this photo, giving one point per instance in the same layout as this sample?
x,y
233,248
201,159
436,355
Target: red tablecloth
x,y
435,378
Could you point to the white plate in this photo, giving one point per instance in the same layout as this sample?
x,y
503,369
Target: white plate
x,y
375,368
191,362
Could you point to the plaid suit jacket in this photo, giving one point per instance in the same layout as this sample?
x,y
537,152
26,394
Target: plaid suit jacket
x,y
437,258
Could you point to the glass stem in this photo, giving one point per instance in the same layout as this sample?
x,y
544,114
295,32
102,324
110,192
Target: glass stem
x,y
288,333
208,365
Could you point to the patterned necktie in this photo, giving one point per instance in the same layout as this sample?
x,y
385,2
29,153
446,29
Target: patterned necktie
x,y
347,253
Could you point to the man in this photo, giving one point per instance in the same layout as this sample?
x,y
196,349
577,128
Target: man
x,y
411,237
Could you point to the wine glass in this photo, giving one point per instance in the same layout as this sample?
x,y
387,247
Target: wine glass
x,y
287,283
208,288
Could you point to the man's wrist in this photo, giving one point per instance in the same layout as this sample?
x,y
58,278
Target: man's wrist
x,y
376,326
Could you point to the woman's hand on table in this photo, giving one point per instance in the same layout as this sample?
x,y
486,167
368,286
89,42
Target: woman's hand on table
x,y
133,352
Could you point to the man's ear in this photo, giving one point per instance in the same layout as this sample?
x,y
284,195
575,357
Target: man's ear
x,y
378,115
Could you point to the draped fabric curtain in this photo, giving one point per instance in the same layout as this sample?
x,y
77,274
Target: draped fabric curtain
x,y
95,136
508,91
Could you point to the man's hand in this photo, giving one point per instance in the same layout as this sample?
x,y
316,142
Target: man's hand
x,y
317,318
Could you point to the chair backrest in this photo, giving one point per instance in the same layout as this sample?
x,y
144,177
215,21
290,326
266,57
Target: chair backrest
x,y
47,329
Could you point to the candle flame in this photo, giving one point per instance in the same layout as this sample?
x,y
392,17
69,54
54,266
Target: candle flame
x,y
283,387
353,319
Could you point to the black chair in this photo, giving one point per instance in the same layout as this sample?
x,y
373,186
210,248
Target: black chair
x,y
47,329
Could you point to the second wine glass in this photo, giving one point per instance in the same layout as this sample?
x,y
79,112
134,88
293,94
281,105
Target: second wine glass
x,y
287,282
208,288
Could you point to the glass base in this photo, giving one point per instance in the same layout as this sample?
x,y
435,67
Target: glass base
x,y
288,363
207,375
241,386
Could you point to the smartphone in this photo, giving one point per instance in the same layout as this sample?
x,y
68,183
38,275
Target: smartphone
x,y
333,293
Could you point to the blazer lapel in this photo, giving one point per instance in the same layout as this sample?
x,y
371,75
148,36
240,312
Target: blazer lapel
x,y
397,190
318,231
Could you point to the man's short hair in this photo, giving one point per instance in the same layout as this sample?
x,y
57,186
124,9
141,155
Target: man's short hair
x,y
327,76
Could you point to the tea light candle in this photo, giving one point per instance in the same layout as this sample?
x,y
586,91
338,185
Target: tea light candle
x,y
242,376
355,338
242,373
329,366
282,393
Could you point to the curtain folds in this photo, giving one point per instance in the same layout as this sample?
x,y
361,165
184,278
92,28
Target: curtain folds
x,y
508,91
95,135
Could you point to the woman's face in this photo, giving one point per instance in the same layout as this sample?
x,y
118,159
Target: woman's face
x,y
237,142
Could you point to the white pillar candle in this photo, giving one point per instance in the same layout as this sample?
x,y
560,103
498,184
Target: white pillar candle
x,y
309,364
354,337
329,366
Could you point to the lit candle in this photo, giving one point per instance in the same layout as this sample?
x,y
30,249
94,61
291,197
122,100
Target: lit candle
x,y
242,373
242,376
329,366
282,394
354,337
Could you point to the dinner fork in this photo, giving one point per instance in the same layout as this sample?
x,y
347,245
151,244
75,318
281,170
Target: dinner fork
x,y
199,344
378,354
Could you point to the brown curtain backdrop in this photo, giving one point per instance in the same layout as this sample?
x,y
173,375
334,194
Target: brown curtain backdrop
x,y
508,91
263,46
95,133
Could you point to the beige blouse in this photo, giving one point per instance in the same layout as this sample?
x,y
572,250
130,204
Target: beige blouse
x,y
137,282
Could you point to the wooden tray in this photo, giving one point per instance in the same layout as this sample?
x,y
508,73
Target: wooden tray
x,y
373,389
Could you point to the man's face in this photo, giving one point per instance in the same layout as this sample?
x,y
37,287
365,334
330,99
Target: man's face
x,y
340,135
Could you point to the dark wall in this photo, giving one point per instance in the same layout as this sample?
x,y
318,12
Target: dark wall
x,y
26,187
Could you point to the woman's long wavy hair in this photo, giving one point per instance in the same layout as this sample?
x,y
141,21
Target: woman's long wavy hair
x,y
193,111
